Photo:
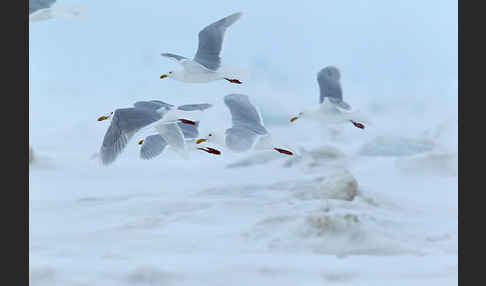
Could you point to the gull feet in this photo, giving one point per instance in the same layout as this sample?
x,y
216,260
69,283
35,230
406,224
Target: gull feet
x,y
187,121
233,80
283,151
357,124
210,150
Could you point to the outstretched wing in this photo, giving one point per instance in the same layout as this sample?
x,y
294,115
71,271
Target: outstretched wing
x,y
124,124
153,146
188,130
192,107
330,87
211,41
174,57
239,139
244,114
173,135
152,105
35,5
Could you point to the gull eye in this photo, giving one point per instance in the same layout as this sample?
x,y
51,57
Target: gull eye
x,y
170,72
210,134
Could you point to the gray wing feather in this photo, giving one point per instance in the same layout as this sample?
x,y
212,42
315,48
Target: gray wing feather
x,y
152,105
124,124
330,87
35,5
172,134
211,41
342,104
188,130
244,114
153,146
173,57
192,107
239,139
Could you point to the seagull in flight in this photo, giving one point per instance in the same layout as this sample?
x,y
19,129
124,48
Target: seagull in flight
x,y
332,108
206,64
164,117
247,131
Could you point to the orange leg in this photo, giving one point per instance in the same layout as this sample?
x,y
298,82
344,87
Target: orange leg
x,y
233,80
187,121
357,124
283,151
210,150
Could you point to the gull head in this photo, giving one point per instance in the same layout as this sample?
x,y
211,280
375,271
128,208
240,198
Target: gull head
x,y
313,113
212,137
105,117
297,117
168,74
175,74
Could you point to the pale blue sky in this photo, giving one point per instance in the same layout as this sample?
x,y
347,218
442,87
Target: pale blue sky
x,y
110,57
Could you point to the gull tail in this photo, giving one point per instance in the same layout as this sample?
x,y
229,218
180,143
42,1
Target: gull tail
x,y
233,73
357,118
344,105
264,143
175,115
339,103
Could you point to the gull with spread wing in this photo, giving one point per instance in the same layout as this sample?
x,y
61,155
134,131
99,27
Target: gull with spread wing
x,y
332,108
206,64
167,120
246,132
180,137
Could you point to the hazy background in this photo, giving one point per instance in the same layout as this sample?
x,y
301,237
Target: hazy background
x,y
386,50
271,221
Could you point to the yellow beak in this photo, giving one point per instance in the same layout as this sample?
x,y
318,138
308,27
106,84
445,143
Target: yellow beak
x,y
163,76
293,119
140,142
104,117
199,141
